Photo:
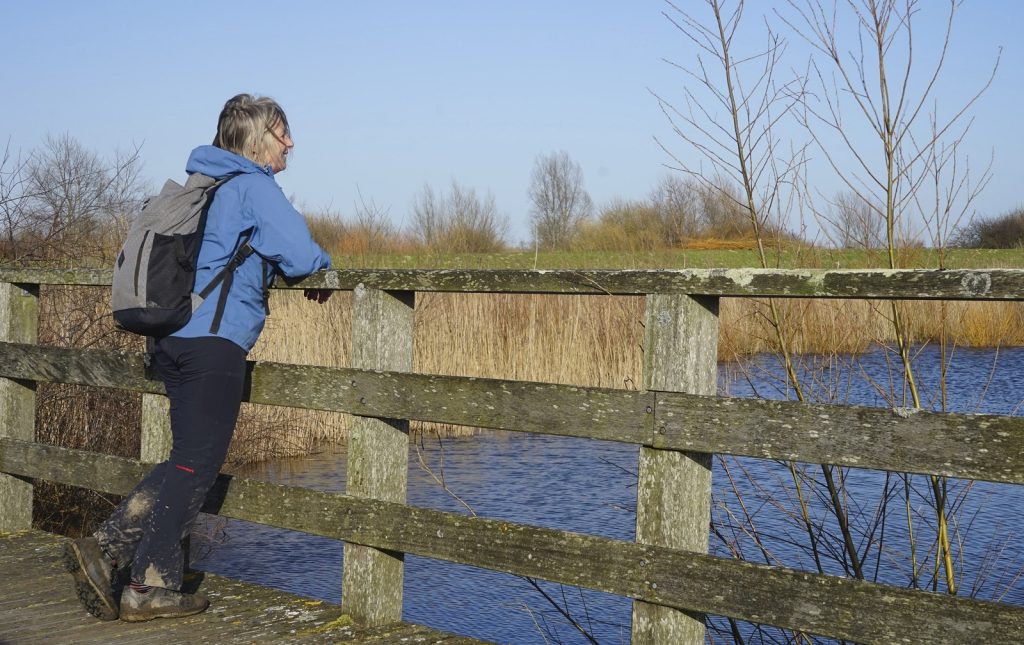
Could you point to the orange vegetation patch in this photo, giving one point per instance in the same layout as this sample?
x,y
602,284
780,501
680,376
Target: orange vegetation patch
x,y
718,244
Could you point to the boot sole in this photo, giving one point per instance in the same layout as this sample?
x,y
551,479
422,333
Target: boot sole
x,y
95,601
144,615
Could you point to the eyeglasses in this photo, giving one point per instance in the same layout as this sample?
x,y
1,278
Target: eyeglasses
x,y
280,137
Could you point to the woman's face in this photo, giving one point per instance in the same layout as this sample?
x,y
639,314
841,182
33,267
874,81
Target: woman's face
x,y
282,144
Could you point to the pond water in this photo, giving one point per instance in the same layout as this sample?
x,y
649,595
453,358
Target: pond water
x,y
590,487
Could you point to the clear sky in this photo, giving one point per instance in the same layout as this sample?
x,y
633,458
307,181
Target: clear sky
x,y
387,96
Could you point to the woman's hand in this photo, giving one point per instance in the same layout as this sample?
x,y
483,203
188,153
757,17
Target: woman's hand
x,y
319,295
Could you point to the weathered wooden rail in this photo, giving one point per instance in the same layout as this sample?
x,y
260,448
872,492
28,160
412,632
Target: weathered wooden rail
x,y
676,419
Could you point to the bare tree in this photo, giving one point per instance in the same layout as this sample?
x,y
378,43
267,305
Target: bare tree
x,y
887,83
560,202
888,80
732,122
12,201
459,222
852,223
678,209
66,203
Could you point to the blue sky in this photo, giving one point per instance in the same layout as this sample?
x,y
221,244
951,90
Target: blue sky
x,y
385,97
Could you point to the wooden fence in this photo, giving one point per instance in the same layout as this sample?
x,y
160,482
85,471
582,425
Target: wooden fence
x,y
676,419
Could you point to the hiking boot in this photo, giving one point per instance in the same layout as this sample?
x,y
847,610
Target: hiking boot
x,y
160,603
92,571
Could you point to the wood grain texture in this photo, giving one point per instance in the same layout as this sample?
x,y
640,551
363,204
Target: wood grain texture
x,y
673,506
19,306
378,452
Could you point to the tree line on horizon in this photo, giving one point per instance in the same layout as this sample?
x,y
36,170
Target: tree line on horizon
x,y
64,202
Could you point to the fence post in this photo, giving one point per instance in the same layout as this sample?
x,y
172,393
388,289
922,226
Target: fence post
x,y
378,452
155,430
674,488
19,316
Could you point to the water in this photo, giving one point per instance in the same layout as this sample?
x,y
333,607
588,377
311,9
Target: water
x,y
590,487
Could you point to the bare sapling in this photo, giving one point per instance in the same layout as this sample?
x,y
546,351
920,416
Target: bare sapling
x,y
882,82
743,147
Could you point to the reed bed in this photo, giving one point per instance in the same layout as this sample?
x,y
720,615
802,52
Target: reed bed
x,y
579,340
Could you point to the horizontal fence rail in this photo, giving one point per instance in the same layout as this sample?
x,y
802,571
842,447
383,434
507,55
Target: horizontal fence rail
x,y
984,447
827,605
677,431
909,284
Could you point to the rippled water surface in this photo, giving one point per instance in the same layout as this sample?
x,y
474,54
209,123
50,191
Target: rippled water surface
x,y
590,487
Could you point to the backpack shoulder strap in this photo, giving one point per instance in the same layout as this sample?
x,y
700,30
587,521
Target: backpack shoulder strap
x,y
227,277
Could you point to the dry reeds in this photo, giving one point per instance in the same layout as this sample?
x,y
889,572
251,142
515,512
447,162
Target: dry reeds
x,y
80,417
579,340
582,340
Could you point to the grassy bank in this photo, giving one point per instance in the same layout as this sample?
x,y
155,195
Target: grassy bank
x,y
738,255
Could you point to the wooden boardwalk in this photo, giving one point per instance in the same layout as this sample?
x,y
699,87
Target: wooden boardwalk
x,y
38,605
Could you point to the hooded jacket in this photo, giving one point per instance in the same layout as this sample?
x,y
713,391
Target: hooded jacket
x,y
249,204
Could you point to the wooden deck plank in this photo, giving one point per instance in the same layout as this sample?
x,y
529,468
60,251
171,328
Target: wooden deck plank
x,y
38,605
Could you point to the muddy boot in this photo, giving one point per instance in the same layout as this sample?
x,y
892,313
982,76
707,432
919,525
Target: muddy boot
x,y
92,571
160,603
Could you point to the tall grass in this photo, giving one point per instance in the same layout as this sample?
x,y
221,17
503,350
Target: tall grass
x,y
579,340
80,417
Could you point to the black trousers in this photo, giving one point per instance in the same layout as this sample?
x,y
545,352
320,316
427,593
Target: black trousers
x,y
204,378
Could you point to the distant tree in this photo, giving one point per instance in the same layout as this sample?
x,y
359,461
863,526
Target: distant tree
x,y
12,201
560,203
459,222
1004,231
66,203
677,203
723,213
854,223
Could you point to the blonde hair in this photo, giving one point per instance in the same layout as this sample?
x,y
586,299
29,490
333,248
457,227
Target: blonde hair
x,y
246,127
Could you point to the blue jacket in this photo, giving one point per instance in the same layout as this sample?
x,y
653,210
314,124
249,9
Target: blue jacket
x,y
252,200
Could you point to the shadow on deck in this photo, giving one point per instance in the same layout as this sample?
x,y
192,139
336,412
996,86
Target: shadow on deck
x,y
38,605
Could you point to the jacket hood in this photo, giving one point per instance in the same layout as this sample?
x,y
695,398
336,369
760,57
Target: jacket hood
x,y
216,162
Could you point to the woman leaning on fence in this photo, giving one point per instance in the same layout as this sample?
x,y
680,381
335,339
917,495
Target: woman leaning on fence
x,y
202,366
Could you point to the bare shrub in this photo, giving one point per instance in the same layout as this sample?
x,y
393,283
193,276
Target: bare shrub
x,y
680,213
1004,231
852,222
65,204
329,230
678,208
624,226
459,222
372,232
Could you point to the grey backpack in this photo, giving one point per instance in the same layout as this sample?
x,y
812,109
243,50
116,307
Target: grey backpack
x,y
155,273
